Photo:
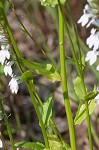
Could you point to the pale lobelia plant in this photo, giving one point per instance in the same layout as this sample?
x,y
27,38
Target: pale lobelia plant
x,y
27,69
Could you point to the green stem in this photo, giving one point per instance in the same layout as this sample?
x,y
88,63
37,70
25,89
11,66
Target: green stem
x,y
7,124
89,125
29,85
64,82
88,117
81,75
79,70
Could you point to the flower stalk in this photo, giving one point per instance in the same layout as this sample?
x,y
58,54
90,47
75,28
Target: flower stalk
x,y
64,81
80,72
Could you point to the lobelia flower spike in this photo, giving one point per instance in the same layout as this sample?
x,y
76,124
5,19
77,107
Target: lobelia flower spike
x,y
4,60
91,16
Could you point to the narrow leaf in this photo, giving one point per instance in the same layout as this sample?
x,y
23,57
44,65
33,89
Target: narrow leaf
x,y
31,145
43,68
47,110
81,115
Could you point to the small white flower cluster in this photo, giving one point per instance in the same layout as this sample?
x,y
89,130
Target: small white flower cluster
x,y
5,60
91,16
91,12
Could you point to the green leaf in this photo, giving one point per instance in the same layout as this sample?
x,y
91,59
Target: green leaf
x,y
31,145
81,115
26,76
78,87
51,2
47,110
43,68
55,143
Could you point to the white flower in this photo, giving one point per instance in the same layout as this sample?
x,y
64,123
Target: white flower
x,y
4,53
84,19
90,14
1,145
14,84
95,22
86,16
8,69
93,39
91,56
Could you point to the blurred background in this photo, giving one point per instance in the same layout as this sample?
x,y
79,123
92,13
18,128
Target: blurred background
x,y
42,23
